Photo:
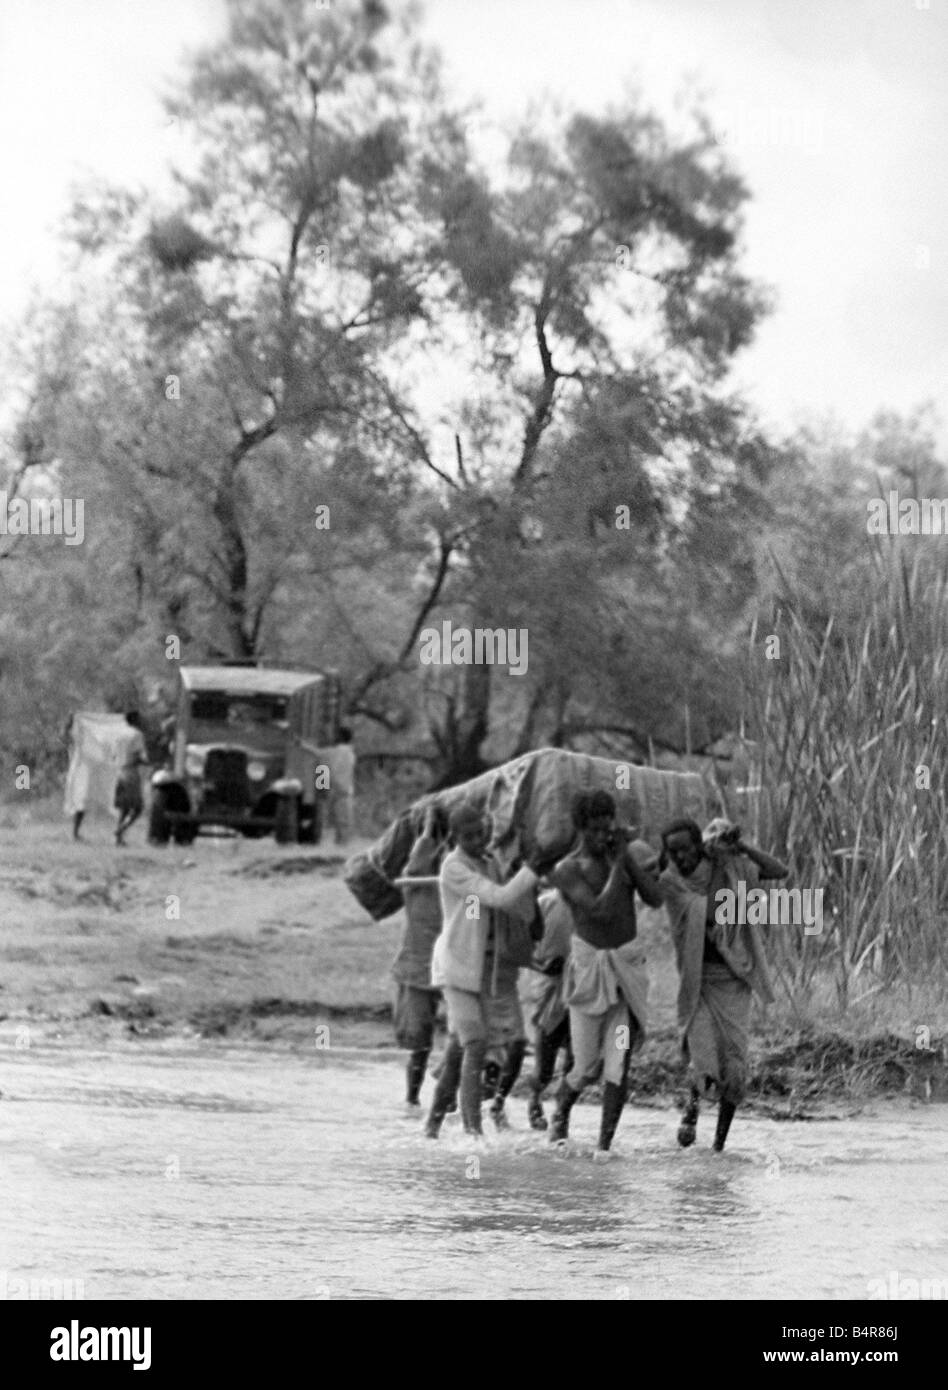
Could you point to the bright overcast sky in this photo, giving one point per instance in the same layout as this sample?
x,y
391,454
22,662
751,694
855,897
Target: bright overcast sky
x,y
836,112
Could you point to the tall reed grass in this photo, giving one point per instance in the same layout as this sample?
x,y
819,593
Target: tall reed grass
x,y
845,721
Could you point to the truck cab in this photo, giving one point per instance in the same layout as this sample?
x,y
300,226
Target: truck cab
x,y
246,745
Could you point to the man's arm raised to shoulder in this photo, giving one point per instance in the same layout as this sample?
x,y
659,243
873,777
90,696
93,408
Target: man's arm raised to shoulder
x,y
645,883
767,865
424,852
464,880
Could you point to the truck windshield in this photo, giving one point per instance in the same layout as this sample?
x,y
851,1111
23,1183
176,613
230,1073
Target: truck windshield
x,y
259,713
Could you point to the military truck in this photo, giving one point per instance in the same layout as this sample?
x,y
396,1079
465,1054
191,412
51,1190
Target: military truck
x,y
244,753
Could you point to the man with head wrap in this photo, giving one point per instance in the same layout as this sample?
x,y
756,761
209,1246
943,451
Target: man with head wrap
x,y
719,965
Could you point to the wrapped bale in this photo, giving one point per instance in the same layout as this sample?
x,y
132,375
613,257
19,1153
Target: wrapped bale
x,y
529,801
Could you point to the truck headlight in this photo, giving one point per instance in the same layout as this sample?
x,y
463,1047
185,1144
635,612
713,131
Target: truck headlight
x,y
256,771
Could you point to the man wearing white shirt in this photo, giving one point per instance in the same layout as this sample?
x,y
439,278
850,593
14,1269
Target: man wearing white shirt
x,y
466,956
341,791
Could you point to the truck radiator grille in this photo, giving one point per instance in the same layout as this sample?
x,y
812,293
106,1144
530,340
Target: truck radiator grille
x,y
225,778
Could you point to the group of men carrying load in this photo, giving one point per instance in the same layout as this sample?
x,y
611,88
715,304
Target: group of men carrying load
x,y
470,928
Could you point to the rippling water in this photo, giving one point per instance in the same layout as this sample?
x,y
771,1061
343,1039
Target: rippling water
x,y
173,1172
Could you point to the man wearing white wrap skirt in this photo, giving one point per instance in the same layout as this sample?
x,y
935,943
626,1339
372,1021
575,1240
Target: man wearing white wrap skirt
x,y
606,985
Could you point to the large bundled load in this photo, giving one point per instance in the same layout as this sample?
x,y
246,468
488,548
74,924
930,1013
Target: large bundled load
x,y
530,798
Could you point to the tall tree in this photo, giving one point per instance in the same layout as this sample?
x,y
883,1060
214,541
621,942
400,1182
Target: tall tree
x,y
507,383
597,303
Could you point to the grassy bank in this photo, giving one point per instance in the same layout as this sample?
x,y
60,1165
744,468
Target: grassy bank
x,y
248,941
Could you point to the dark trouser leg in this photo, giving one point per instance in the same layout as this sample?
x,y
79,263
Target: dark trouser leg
x,y
688,1128
512,1067
76,822
446,1088
545,1063
490,1080
731,1093
613,1099
471,1068
726,1111
566,1098
548,1045
416,1074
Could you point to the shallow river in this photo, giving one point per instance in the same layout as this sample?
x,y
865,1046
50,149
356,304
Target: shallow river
x,y
169,1171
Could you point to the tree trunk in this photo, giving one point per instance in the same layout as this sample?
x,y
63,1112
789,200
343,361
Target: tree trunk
x,y
560,702
234,558
465,728
528,733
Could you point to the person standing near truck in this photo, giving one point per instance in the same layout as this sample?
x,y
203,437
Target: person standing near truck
x,y
340,793
128,790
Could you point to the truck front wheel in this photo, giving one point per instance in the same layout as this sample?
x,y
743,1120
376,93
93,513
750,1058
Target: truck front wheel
x,y
184,832
159,827
286,830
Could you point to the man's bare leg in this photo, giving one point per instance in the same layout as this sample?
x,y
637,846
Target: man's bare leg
x,y
446,1088
516,1051
471,1068
688,1129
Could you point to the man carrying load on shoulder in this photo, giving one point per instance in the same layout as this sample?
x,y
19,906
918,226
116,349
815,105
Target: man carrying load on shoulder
x,y
719,965
480,917
514,951
416,999
550,1016
606,986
